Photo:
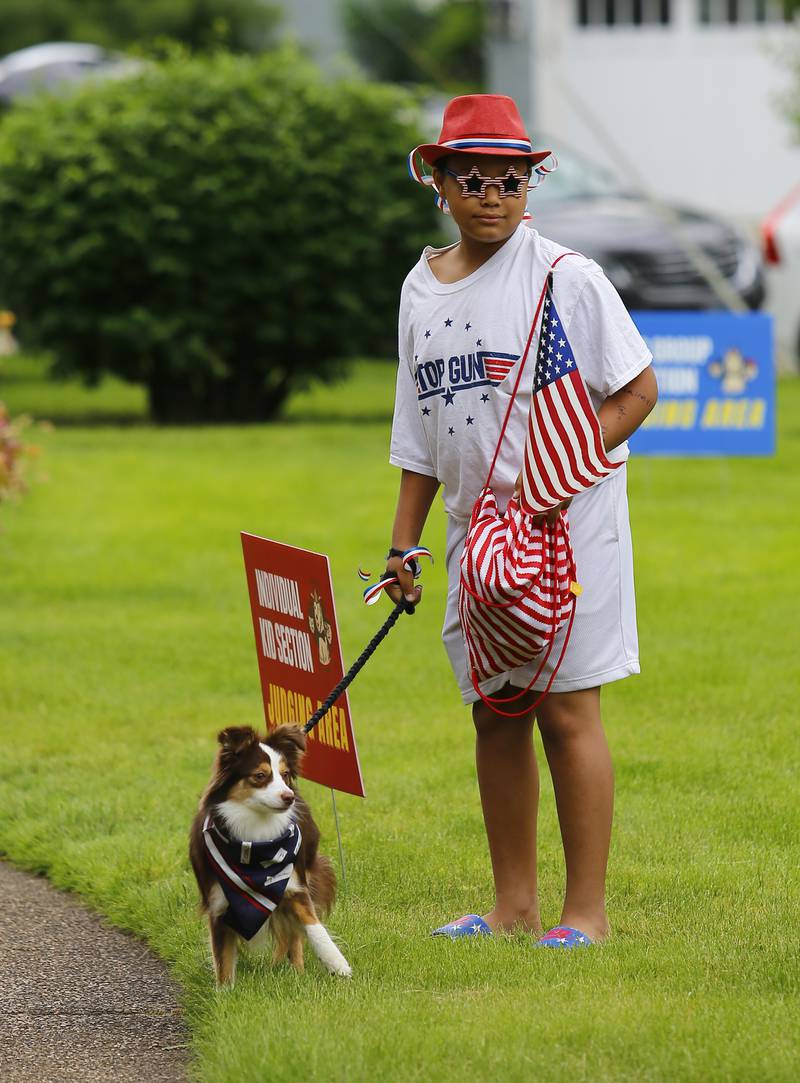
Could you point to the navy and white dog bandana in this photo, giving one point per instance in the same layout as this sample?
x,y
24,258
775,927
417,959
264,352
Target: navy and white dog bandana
x,y
253,875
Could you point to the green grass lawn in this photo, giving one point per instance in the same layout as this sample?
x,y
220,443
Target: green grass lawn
x,y
126,643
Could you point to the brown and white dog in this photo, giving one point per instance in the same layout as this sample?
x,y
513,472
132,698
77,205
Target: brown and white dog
x,y
253,848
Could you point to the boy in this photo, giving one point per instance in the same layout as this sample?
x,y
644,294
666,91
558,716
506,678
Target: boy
x,y
465,315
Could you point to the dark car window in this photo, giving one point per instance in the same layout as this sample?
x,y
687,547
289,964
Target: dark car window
x,y
576,178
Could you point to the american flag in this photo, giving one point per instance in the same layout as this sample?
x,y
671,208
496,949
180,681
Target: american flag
x,y
497,368
564,450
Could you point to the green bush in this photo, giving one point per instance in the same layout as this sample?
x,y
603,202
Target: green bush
x,y
220,230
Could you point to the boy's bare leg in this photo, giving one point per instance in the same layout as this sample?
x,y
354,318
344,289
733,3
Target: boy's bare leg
x,y
509,783
583,780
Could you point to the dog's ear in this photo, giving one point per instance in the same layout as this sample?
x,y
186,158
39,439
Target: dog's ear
x,y
290,741
234,740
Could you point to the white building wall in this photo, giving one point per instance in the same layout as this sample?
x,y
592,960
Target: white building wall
x,y
693,106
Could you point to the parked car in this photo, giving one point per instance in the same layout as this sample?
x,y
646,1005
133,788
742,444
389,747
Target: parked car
x,y
47,66
780,233
582,206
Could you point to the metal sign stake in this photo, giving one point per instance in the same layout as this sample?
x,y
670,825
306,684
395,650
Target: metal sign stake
x,y
339,838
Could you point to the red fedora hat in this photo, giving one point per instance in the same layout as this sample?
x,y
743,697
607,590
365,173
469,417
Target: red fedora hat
x,y
481,124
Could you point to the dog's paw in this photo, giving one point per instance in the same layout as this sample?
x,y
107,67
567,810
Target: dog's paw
x,y
342,969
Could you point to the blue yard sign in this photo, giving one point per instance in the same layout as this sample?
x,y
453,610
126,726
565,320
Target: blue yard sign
x,y
716,384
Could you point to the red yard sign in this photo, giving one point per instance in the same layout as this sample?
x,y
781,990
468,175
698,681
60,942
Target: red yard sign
x,y
300,656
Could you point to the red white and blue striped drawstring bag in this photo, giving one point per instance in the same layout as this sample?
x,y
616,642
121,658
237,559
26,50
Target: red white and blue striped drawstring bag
x,y
518,583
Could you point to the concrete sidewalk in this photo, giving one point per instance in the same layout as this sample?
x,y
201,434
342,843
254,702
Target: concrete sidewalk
x,y
80,1001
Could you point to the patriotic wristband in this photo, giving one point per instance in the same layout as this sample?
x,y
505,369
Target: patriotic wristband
x,y
410,563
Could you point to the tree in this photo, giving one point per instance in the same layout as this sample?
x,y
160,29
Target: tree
x,y
242,25
219,229
419,41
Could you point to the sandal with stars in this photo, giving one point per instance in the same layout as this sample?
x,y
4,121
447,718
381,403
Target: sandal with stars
x,y
470,925
563,936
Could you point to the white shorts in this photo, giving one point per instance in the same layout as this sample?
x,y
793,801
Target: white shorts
x,y
603,644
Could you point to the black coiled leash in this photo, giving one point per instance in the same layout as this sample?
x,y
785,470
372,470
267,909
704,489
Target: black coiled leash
x,y
402,607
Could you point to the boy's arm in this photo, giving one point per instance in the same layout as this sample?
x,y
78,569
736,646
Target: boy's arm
x,y
413,504
623,412
620,416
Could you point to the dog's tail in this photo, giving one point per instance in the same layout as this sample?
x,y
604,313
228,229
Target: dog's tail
x,y
322,884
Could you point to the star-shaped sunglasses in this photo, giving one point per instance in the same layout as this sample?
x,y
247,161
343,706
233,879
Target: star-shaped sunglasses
x,y
475,184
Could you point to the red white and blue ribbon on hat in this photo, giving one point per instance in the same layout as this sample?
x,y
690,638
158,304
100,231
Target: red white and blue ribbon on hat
x,y
484,143
417,173
410,563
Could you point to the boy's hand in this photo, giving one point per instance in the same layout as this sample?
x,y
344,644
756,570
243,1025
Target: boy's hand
x,y
404,588
413,504
550,515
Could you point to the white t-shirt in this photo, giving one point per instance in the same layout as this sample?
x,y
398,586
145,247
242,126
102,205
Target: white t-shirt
x,y
460,346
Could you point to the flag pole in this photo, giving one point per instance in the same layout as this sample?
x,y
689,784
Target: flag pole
x,y
339,838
